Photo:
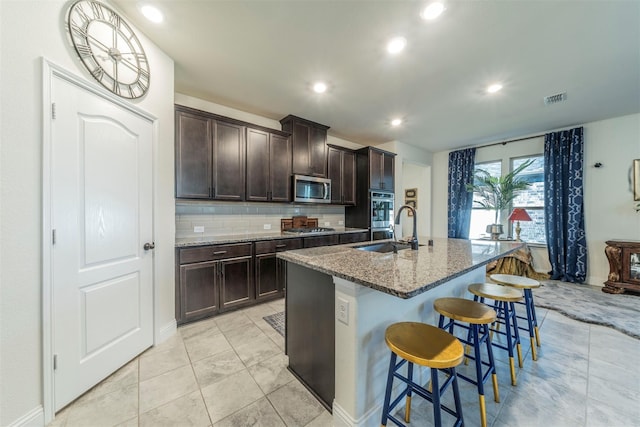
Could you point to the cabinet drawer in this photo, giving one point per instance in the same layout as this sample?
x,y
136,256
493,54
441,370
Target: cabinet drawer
x,y
354,237
270,246
214,252
315,241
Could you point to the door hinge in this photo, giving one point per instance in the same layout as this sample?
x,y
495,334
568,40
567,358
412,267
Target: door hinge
x,y
53,236
55,362
53,110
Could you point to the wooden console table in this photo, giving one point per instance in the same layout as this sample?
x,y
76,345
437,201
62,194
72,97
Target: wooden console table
x,y
624,266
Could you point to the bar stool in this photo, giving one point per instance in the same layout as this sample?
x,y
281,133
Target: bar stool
x,y
504,298
478,316
526,284
428,346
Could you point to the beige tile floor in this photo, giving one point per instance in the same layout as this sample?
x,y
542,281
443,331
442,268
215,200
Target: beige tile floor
x,y
231,371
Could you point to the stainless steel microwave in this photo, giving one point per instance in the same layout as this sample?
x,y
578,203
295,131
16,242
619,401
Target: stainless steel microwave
x,y
310,189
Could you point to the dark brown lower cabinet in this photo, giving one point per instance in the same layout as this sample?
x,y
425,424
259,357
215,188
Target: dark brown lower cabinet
x,y
362,236
213,279
270,274
310,330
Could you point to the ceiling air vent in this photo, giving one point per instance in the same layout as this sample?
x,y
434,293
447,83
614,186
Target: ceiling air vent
x,y
554,99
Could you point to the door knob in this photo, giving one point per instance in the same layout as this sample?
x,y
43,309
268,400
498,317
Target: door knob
x,y
148,246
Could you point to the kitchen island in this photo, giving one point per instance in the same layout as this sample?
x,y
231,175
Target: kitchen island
x,y
340,300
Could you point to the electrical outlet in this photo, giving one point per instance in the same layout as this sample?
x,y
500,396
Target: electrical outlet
x,y
267,226
340,222
327,223
198,229
342,311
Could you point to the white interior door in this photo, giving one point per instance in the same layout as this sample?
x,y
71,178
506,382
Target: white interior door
x,y
101,217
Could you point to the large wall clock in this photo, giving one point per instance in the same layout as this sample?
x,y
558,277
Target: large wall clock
x,y
109,48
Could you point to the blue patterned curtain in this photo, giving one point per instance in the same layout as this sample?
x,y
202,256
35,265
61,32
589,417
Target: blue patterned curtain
x,y
563,205
461,164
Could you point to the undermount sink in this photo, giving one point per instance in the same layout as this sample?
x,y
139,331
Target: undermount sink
x,y
383,247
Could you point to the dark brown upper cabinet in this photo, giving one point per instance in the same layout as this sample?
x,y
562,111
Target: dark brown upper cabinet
x,y
268,166
378,166
210,156
341,168
309,146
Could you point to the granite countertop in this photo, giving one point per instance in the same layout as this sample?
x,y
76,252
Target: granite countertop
x,y
407,273
185,242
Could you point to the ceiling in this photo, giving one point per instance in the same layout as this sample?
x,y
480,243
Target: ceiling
x,y
262,56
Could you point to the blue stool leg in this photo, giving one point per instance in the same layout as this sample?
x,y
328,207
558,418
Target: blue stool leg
x,y
435,396
479,377
456,398
407,409
507,322
494,376
533,316
527,304
387,394
512,307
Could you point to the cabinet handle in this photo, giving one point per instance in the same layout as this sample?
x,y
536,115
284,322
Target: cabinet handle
x,y
281,246
213,191
220,252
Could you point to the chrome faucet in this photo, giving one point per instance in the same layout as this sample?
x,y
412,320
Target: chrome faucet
x,y
414,239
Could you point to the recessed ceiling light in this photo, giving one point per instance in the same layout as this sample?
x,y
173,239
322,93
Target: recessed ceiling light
x,y
319,87
396,45
396,122
494,88
432,11
152,13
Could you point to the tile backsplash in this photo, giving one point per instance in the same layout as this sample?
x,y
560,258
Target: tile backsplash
x,y
220,218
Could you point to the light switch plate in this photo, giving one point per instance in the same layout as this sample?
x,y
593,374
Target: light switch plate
x,y
340,222
327,223
198,229
267,226
342,311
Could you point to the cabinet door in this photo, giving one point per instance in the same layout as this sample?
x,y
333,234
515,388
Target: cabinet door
x,y
193,156
388,172
334,169
375,170
280,168
349,178
235,282
318,152
325,240
266,276
228,161
300,137
354,237
198,291
258,159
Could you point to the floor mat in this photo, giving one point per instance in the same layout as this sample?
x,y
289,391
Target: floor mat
x,y
276,321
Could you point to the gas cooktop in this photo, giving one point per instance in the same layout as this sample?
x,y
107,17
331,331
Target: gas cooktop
x,y
307,230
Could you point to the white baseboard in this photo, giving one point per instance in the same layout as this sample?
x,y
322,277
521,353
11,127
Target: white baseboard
x,y
33,418
342,419
166,332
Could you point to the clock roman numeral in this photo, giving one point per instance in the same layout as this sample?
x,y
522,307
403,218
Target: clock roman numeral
x,y
97,10
79,31
98,73
81,13
84,50
114,19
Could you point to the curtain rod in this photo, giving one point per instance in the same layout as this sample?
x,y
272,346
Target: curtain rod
x,y
507,141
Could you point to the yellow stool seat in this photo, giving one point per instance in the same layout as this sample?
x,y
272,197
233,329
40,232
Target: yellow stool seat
x,y
465,310
424,345
495,292
505,299
478,316
526,284
519,282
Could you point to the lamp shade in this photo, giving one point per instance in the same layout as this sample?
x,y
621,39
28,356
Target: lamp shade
x,y
519,214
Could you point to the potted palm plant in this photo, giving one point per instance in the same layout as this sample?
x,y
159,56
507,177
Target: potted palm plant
x,y
497,192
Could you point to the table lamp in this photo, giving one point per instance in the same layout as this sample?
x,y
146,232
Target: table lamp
x,y
518,215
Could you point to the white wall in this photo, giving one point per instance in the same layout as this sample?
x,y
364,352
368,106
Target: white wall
x,y
608,199
418,158
30,30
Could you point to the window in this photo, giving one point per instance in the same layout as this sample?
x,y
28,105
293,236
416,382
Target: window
x,y
480,217
531,199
